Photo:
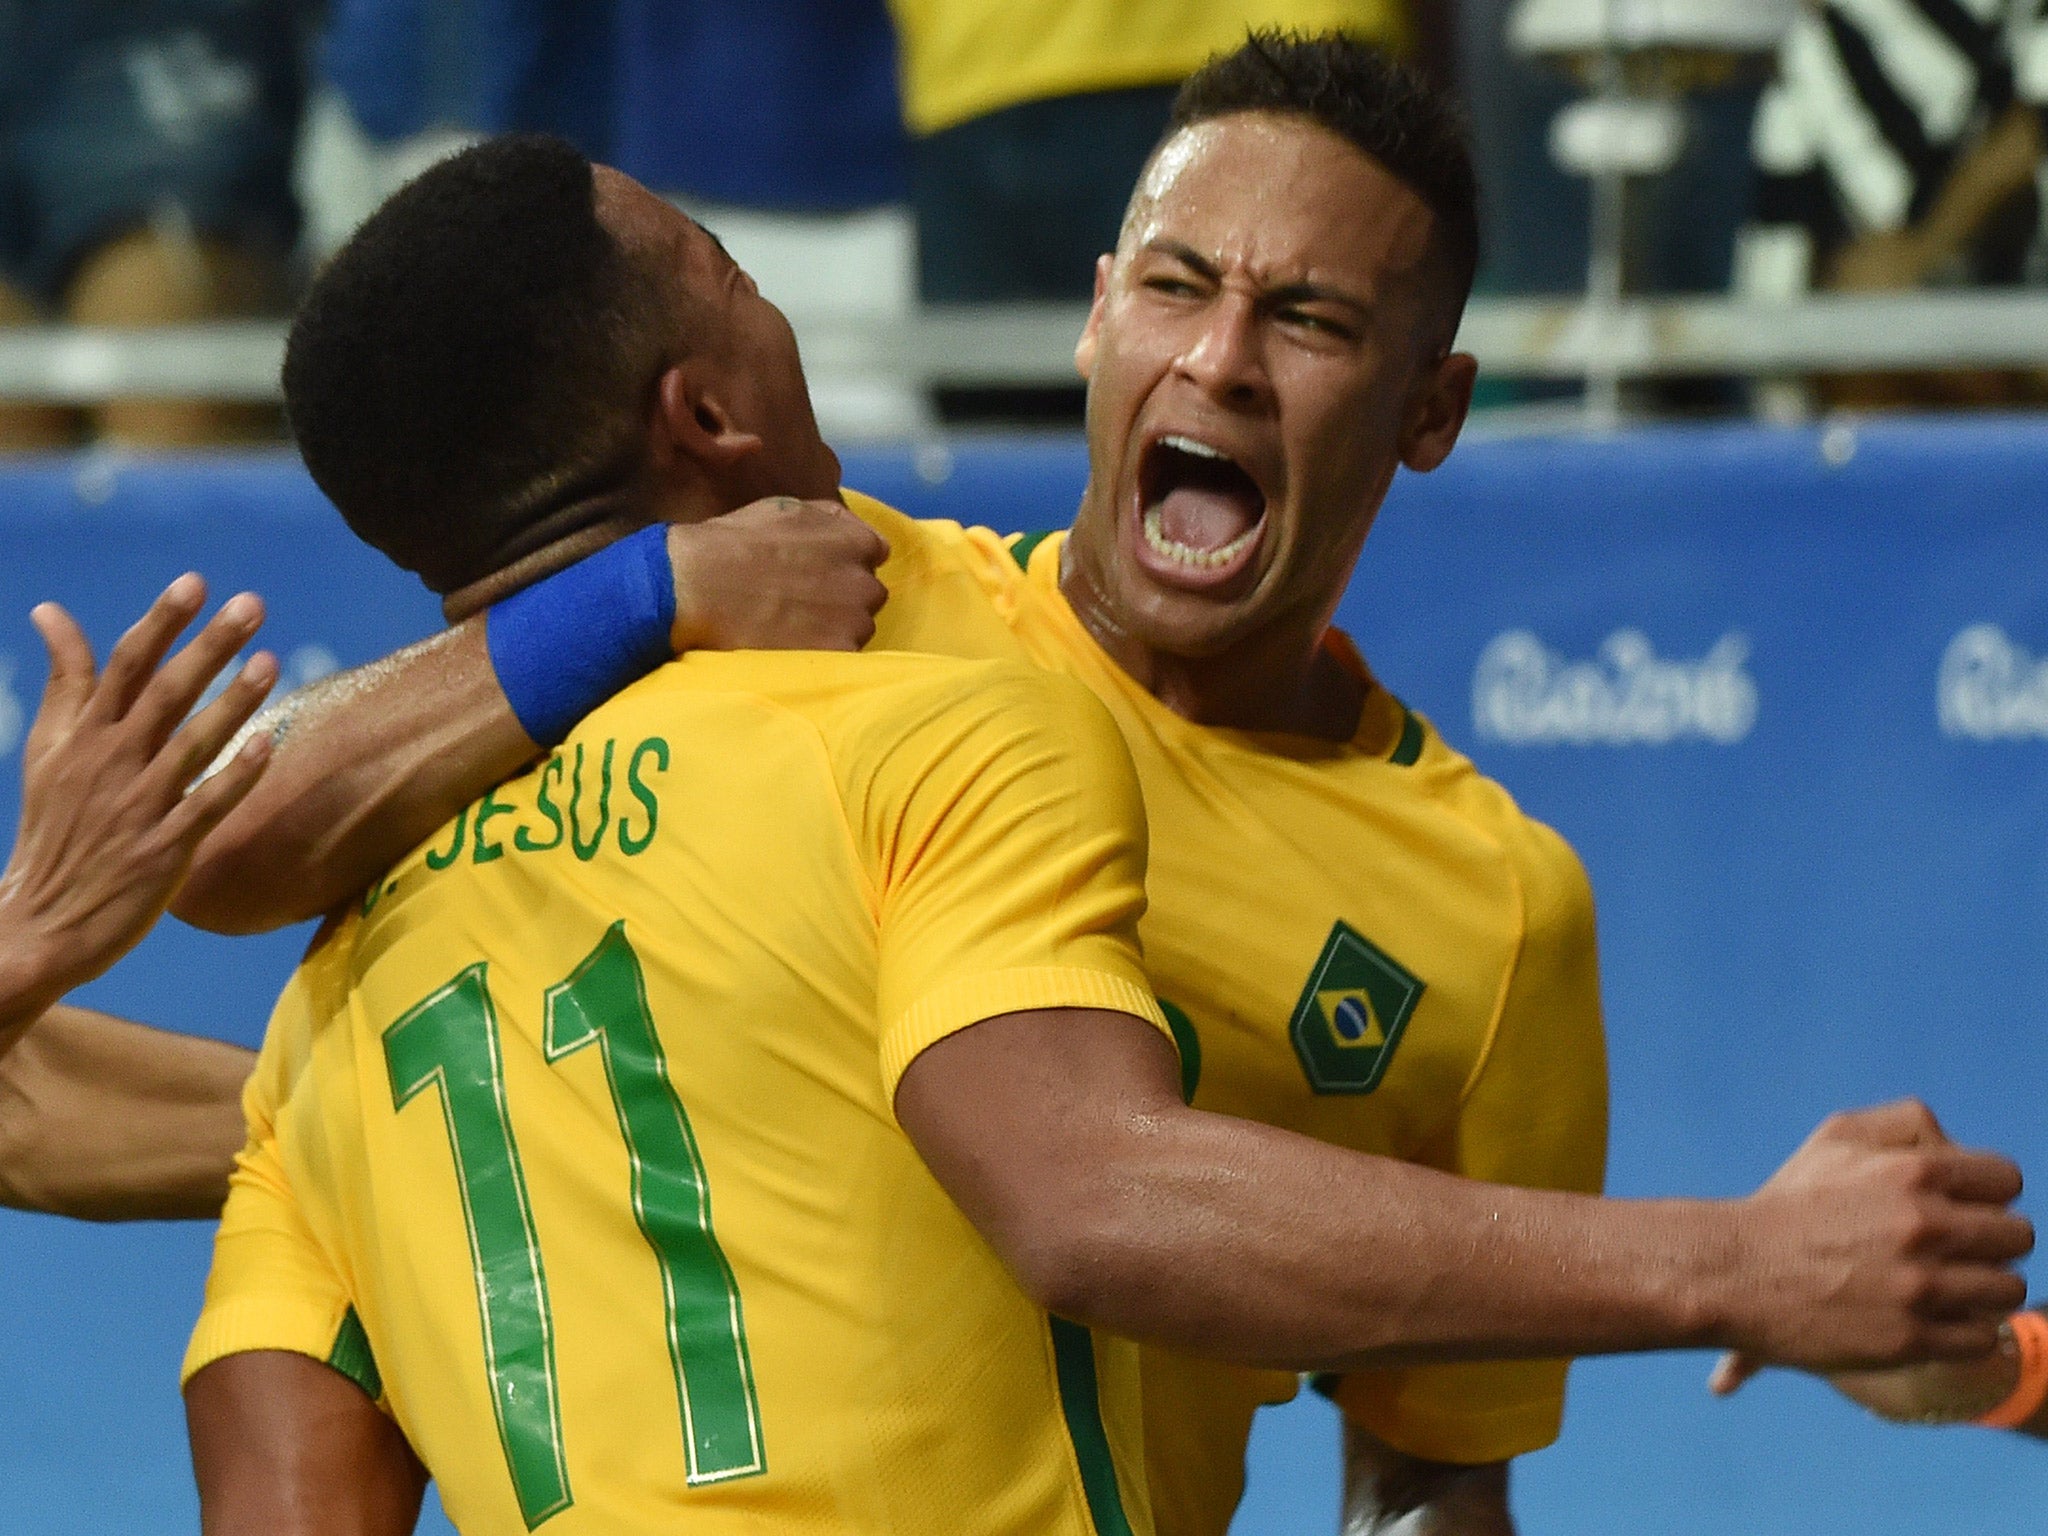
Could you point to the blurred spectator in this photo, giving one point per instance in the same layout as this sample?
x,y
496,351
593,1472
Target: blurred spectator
x,y
484,66
145,151
776,126
403,83
1900,146
1030,120
780,104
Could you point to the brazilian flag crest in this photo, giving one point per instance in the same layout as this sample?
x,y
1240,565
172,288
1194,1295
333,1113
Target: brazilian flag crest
x,y
1351,1014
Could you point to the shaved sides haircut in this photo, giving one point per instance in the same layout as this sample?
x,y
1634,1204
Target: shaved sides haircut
x,y
1381,108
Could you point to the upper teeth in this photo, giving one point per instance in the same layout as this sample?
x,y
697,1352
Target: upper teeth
x,y
1189,445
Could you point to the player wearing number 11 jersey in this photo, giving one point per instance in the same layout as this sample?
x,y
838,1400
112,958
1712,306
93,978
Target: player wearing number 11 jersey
x,y
577,1146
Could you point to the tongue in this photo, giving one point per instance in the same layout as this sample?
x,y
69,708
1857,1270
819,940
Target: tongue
x,y
1202,518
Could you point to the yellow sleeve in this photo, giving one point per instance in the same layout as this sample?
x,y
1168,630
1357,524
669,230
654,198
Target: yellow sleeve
x,y
1001,821
272,1286
1534,1115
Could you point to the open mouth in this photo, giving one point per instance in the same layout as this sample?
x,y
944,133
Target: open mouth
x,y
1198,508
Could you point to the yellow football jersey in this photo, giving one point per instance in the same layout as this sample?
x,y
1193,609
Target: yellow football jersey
x,y
576,1145
1367,943
960,60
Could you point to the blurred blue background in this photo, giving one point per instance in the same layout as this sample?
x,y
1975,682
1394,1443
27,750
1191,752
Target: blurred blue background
x,y
1812,793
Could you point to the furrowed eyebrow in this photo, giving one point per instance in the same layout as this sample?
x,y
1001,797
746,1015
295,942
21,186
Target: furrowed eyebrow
x,y
1187,256
1316,293
1290,293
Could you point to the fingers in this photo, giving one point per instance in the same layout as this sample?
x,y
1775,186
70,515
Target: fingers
x,y
136,654
863,543
1978,1294
71,663
871,595
1969,1175
168,696
203,737
1985,1235
1730,1373
1960,1340
1904,1123
869,547
201,811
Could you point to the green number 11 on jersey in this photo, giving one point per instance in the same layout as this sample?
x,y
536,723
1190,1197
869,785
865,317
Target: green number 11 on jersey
x,y
450,1041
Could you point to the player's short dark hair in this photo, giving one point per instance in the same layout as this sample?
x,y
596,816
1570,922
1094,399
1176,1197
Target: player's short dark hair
x,y
480,355
1350,88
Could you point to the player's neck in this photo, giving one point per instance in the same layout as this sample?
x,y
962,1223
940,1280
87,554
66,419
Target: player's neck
x,y
604,520
1282,681
559,555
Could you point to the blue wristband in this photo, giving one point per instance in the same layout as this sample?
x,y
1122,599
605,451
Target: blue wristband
x,y
564,645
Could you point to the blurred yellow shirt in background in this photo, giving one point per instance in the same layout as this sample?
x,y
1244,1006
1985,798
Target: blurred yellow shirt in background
x,y
964,58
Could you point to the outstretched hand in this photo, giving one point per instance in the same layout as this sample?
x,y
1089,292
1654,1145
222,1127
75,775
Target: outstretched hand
x,y
109,819
779,575
1880,1243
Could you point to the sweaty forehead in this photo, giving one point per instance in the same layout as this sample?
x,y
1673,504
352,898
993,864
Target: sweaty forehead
x,y
1279,198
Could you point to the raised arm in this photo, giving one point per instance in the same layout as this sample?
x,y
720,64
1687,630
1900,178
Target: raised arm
x,y
107,827
100,1118
369,762
1062,1136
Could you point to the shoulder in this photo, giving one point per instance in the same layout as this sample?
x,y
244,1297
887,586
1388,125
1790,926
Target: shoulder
x,y
1016,765
1546,869
993,701
929,545
951,728
872,700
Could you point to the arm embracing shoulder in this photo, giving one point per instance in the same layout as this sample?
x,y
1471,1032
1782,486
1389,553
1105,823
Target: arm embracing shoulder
x,y
1005,838
365,765
112,1121
1061,1134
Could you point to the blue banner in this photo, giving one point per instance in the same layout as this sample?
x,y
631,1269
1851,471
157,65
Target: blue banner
x,y
1786,691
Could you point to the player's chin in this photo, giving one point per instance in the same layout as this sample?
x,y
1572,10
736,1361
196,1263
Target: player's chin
x,y
1171,620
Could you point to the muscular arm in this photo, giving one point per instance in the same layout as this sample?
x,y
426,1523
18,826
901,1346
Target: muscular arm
x,y
1388,1492
364,765
111,1121
283,1446
1062,1136
369,762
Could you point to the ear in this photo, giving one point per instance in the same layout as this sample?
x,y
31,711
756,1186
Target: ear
x,y
1437,414
1084,349
691,423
